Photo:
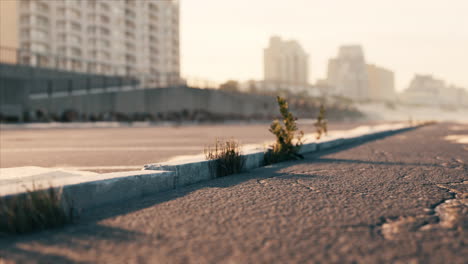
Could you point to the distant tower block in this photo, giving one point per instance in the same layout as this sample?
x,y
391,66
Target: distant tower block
x,y
286,64
348,73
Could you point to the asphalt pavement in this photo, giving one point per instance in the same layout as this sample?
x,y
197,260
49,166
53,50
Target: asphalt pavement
x,y
399,199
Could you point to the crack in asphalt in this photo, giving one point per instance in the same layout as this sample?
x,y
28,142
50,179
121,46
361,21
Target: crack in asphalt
x,y
308,187
449,213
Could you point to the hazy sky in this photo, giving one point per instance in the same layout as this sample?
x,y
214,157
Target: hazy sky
x,y
224,39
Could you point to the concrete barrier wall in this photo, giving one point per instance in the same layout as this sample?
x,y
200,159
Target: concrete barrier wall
x,y
160,100
54,92
18,82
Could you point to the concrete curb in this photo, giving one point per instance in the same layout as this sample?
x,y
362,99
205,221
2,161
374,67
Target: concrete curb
x,y
101,192
197,169
85,192
89,191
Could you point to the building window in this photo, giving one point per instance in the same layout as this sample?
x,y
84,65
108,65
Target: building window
x,y
76,26
92,29
75,39
25,33
104,6
42,7
101,55
104,31
24,20
153,7
39,47
61,25
153,17
42,21
105,19
129,24
25,4
76,52
92,4
77,2
129,34
129,13
61,11
62,50
39,34
92,42
75,14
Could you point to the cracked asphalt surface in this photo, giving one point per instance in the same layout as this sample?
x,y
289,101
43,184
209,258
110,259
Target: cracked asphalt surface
x,y
399,199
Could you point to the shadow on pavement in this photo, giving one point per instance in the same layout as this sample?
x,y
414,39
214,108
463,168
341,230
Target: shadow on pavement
x,y
20,249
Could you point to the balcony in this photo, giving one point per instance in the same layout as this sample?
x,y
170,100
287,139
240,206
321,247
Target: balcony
x,y
104,19
104,6
130,24
130,13
153,7
129,34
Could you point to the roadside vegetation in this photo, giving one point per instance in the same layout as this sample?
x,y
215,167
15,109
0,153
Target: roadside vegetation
x,y
225,158
288,138
34,211
321,123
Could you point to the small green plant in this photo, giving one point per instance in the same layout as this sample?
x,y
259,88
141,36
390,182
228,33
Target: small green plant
x,y
225,158
33,211
287,143
321,123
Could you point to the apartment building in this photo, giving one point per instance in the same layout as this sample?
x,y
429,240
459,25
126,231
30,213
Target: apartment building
x,y
113,37
347,73
427,90
286,65
381,83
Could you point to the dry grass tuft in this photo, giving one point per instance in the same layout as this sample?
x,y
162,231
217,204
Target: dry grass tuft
x,y
226,158
35,210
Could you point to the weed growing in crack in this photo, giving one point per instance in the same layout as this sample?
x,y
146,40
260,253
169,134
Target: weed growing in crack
x,y
287,143
321,123
35,210
225,158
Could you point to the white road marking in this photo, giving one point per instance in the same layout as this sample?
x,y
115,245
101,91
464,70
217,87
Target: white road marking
x,y
94,149
84,168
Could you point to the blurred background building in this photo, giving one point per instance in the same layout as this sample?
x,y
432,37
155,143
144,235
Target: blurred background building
x,y
286,65
347,73
381,83
350,76
427,90
110,37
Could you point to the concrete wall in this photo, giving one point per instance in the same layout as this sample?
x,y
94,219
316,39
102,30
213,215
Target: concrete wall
x,y
28,89
19,83
160,100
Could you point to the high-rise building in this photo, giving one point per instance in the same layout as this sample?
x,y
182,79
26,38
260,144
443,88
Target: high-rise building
x,y
347,73
427,90
381,83
113,37
423,89
286,64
